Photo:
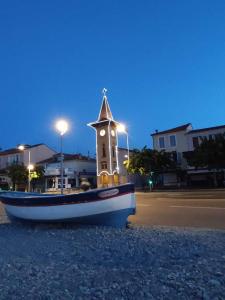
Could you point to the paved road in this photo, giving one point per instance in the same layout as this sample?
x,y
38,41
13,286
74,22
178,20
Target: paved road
x,y
202,208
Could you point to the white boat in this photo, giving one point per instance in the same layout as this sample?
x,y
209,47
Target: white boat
x,y
109,206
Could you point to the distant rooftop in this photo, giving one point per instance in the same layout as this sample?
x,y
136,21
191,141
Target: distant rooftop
x,y
55,158
175,129
206,129
16,150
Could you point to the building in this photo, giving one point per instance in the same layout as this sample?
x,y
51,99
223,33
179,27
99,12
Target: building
x,y
178,141
75,168
203,176
174,141
31,154
36,152
108,170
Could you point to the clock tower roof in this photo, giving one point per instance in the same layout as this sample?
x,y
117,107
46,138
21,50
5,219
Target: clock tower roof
x,y
105,115
105,112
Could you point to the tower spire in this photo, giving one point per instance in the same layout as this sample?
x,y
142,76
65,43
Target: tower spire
x,y
105,112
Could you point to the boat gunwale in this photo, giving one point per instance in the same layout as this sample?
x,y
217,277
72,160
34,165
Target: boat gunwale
x,y
68,199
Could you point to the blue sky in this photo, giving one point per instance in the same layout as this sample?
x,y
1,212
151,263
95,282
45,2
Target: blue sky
x,y
163,63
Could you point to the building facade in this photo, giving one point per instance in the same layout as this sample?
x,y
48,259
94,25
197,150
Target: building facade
x,y
76,167
203,176
178,141
174,141
36,152
31,154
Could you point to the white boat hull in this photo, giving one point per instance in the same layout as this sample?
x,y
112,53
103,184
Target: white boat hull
x,y
111,211
69,211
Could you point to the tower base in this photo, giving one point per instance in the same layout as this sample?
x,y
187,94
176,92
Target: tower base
x,y
106,180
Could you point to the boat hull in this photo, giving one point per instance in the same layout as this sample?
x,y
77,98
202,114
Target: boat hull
x,y
109,207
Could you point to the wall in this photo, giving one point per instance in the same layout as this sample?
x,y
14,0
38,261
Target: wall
x,y
37,154
181,144
202,134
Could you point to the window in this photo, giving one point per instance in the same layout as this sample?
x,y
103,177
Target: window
x,y
113,151
103,150
161,142
104,165
217,135
202,138
195,142
59,183
211,137
173,141
174,156
179,157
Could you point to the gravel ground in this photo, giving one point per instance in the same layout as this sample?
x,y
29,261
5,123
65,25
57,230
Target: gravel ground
x,y
82,262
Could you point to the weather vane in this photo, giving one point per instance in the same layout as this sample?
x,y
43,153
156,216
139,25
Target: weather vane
x,y
104,91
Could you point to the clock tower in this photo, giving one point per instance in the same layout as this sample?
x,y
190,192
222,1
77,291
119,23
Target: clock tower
x,y
106,146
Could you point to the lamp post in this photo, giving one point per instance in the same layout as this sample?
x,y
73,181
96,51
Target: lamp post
x,y
121,128
62,127
30,167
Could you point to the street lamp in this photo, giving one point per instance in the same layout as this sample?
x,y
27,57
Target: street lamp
x,y
121,128
30,167
62,127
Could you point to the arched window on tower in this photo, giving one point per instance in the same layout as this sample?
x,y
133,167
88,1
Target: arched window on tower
x,y
103,150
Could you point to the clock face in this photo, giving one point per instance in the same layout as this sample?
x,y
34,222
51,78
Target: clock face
x,y
102,132
112,132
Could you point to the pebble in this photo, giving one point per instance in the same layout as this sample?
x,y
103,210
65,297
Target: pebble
x,y
84,262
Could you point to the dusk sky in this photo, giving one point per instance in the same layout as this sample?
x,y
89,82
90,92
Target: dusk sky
x,y
163,63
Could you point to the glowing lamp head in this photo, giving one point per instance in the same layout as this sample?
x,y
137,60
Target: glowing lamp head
x,y
121,128
30,167
62,126
21,147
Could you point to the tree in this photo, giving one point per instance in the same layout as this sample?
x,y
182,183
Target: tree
x,y
210,154
37,176
148,162
18,174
